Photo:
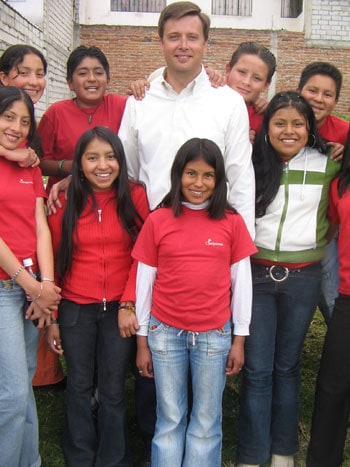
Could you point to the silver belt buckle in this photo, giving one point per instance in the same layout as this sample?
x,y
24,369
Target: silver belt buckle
x,y
278,273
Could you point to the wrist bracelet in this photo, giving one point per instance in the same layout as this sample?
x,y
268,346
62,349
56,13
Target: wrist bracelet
x,y
45,279
129,308
14,276
41,289
54,322
60,169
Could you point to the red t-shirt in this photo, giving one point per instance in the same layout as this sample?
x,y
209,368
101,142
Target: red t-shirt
x,y
20,187
339,213
193,255
334,130
255,120
64,122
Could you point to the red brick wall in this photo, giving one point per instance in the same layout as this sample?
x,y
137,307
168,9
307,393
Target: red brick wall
x,y
134,52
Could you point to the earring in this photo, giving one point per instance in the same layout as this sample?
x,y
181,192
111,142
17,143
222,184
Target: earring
x,y
266,138
313,141
82,176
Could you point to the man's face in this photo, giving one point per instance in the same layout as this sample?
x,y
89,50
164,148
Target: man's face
x,y
184,46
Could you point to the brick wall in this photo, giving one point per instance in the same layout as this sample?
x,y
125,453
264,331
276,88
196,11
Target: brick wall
x,y
54,38
134,52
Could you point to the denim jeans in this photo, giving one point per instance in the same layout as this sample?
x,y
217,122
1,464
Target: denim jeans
x,y
332,399
19,444
90,335
330,279
178,441
269,407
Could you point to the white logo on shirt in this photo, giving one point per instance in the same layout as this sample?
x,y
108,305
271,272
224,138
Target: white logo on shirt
x,y
29,182
210,242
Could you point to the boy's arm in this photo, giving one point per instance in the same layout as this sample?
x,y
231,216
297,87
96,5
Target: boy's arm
x,y
336,151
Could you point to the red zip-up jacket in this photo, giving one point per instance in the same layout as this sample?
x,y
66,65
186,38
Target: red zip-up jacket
x,y
102,267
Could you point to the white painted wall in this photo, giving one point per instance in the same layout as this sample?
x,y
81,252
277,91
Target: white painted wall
x,y
265,15
32,10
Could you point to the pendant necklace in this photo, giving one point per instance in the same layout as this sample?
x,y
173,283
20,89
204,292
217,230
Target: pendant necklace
x,y
87,112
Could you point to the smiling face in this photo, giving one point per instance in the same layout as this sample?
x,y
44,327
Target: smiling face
x,y
321,93
197,181
28,75
183,46
14,125
288,132
89,82
248,77
99,165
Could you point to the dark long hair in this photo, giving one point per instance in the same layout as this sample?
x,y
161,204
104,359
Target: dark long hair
x,y
14,56
268,165
344,174
8,96
195,149
80,190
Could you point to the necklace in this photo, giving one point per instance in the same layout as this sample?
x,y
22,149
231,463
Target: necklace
x,y
88,112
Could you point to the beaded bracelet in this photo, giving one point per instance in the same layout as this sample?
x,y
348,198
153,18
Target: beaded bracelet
x,y
60,169
14,276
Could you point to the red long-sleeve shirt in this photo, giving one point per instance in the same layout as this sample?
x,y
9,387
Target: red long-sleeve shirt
x,y
102,266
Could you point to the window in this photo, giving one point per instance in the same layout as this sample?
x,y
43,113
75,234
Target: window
x,y
291,8
232,7
148,6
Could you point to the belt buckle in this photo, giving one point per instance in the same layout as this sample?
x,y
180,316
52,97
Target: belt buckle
x,y
278,273
6,284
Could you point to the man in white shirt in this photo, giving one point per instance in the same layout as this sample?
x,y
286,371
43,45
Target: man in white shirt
x,y
182,104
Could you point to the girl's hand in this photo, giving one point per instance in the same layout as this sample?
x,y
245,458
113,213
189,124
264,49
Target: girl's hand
x,y
252,136
138,88
235,359
25,157
144,358
260,105
35,313
53,339
127,323
337,150
216,78
53,201
47,297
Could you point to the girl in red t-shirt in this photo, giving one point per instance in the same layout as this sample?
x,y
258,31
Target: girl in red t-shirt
x,y
25,67
193,278
24,234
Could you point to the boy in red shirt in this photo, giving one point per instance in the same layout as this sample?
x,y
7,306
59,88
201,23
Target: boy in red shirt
x,y
320,84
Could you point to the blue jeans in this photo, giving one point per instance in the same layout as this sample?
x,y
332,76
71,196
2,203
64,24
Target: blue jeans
x,y
175,352
19,443
90,336
330,279
269,407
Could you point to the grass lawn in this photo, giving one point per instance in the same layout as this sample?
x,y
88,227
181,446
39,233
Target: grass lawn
x,y
51,409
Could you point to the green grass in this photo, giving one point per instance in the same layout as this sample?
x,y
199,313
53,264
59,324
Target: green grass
x,y
51,409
